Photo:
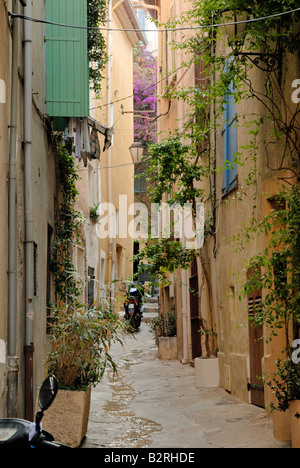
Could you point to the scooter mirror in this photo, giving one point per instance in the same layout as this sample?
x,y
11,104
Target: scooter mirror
x,y
48,392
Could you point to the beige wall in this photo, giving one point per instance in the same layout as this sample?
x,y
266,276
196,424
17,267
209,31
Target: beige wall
x,y
176,115
229,315
117,170
44,190
227,266
5,64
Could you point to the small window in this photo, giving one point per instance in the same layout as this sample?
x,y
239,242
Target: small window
x,y
49,280
91,287
139,182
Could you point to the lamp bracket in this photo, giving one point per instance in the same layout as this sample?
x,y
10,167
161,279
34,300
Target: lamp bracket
x,y
263,61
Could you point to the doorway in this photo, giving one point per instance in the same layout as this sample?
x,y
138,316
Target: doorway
x,y
256,350
194,312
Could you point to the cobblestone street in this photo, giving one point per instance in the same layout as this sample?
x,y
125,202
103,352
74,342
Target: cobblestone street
x,y
154,404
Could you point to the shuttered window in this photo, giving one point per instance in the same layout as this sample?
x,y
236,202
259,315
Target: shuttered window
x,y
230,140
67,66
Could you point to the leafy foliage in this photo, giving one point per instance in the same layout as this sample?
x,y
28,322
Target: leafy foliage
x,y
164,256
67,228
81,343
286,384
277,272
172,162
163,326
97,15
280,267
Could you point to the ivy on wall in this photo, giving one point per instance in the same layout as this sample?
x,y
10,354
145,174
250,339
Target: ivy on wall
x,y
67,228
97,15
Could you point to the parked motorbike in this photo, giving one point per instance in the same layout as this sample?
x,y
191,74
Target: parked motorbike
x,y
134,306
18,433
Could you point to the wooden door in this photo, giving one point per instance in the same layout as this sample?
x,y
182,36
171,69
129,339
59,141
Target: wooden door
x,y
195,322
256,350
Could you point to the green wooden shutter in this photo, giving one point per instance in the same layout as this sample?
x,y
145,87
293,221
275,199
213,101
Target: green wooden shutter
x,y
67,66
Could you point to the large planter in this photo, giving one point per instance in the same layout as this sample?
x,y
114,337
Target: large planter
x,y
67,419
295,423
281,425
167,348
207,373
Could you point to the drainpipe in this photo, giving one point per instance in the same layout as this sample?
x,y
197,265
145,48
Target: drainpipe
x,y
29,251
12,359
186,334
111,123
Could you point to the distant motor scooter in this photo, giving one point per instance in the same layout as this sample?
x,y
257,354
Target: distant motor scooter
x,y
133,306
18,433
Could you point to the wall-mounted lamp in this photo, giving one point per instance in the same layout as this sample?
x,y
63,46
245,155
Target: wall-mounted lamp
x,y
236,29
235,26
137,151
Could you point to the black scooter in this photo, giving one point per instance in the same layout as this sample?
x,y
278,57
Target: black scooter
x,y
133,306
18,433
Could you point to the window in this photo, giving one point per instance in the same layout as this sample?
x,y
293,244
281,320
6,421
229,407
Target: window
x,y
230,140
139,182
91,287
142,18
35,263
49,281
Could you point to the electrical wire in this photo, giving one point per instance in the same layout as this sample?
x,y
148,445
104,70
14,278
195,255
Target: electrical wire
x,y
146,89
183,28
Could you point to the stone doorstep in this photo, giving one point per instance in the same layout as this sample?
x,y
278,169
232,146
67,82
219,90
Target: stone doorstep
x,y
152,300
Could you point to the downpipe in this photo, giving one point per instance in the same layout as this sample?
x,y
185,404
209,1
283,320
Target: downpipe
x,y
12,359
29,244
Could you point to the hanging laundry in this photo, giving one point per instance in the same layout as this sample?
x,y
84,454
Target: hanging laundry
x,y
95,146
78,139
85,141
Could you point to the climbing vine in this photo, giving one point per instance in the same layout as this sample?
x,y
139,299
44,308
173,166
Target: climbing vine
x,y
183,166
97,16
67,227
179,169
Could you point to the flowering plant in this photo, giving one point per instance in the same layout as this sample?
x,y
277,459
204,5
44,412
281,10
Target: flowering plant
x,y
145,95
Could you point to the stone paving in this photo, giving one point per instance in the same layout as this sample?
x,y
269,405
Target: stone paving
x,y
155,404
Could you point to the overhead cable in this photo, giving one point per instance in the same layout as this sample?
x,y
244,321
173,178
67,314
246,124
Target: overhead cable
x,y
182,28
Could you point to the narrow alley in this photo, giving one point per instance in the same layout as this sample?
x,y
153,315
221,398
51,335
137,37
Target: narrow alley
x,y
154,404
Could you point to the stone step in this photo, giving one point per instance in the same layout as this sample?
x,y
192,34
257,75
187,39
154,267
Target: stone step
x,y
148,308
152,300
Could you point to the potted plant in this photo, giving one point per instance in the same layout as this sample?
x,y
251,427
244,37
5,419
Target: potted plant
x,y
164,329
276,271
81,340
286,386
94,215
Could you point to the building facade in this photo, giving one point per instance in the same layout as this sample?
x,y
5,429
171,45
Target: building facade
x,y
46,95
28,193
213,320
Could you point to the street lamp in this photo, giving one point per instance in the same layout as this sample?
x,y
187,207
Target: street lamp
x,y
137,151
236,28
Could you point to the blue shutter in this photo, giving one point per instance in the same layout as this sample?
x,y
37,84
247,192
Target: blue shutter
x,y
230,140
